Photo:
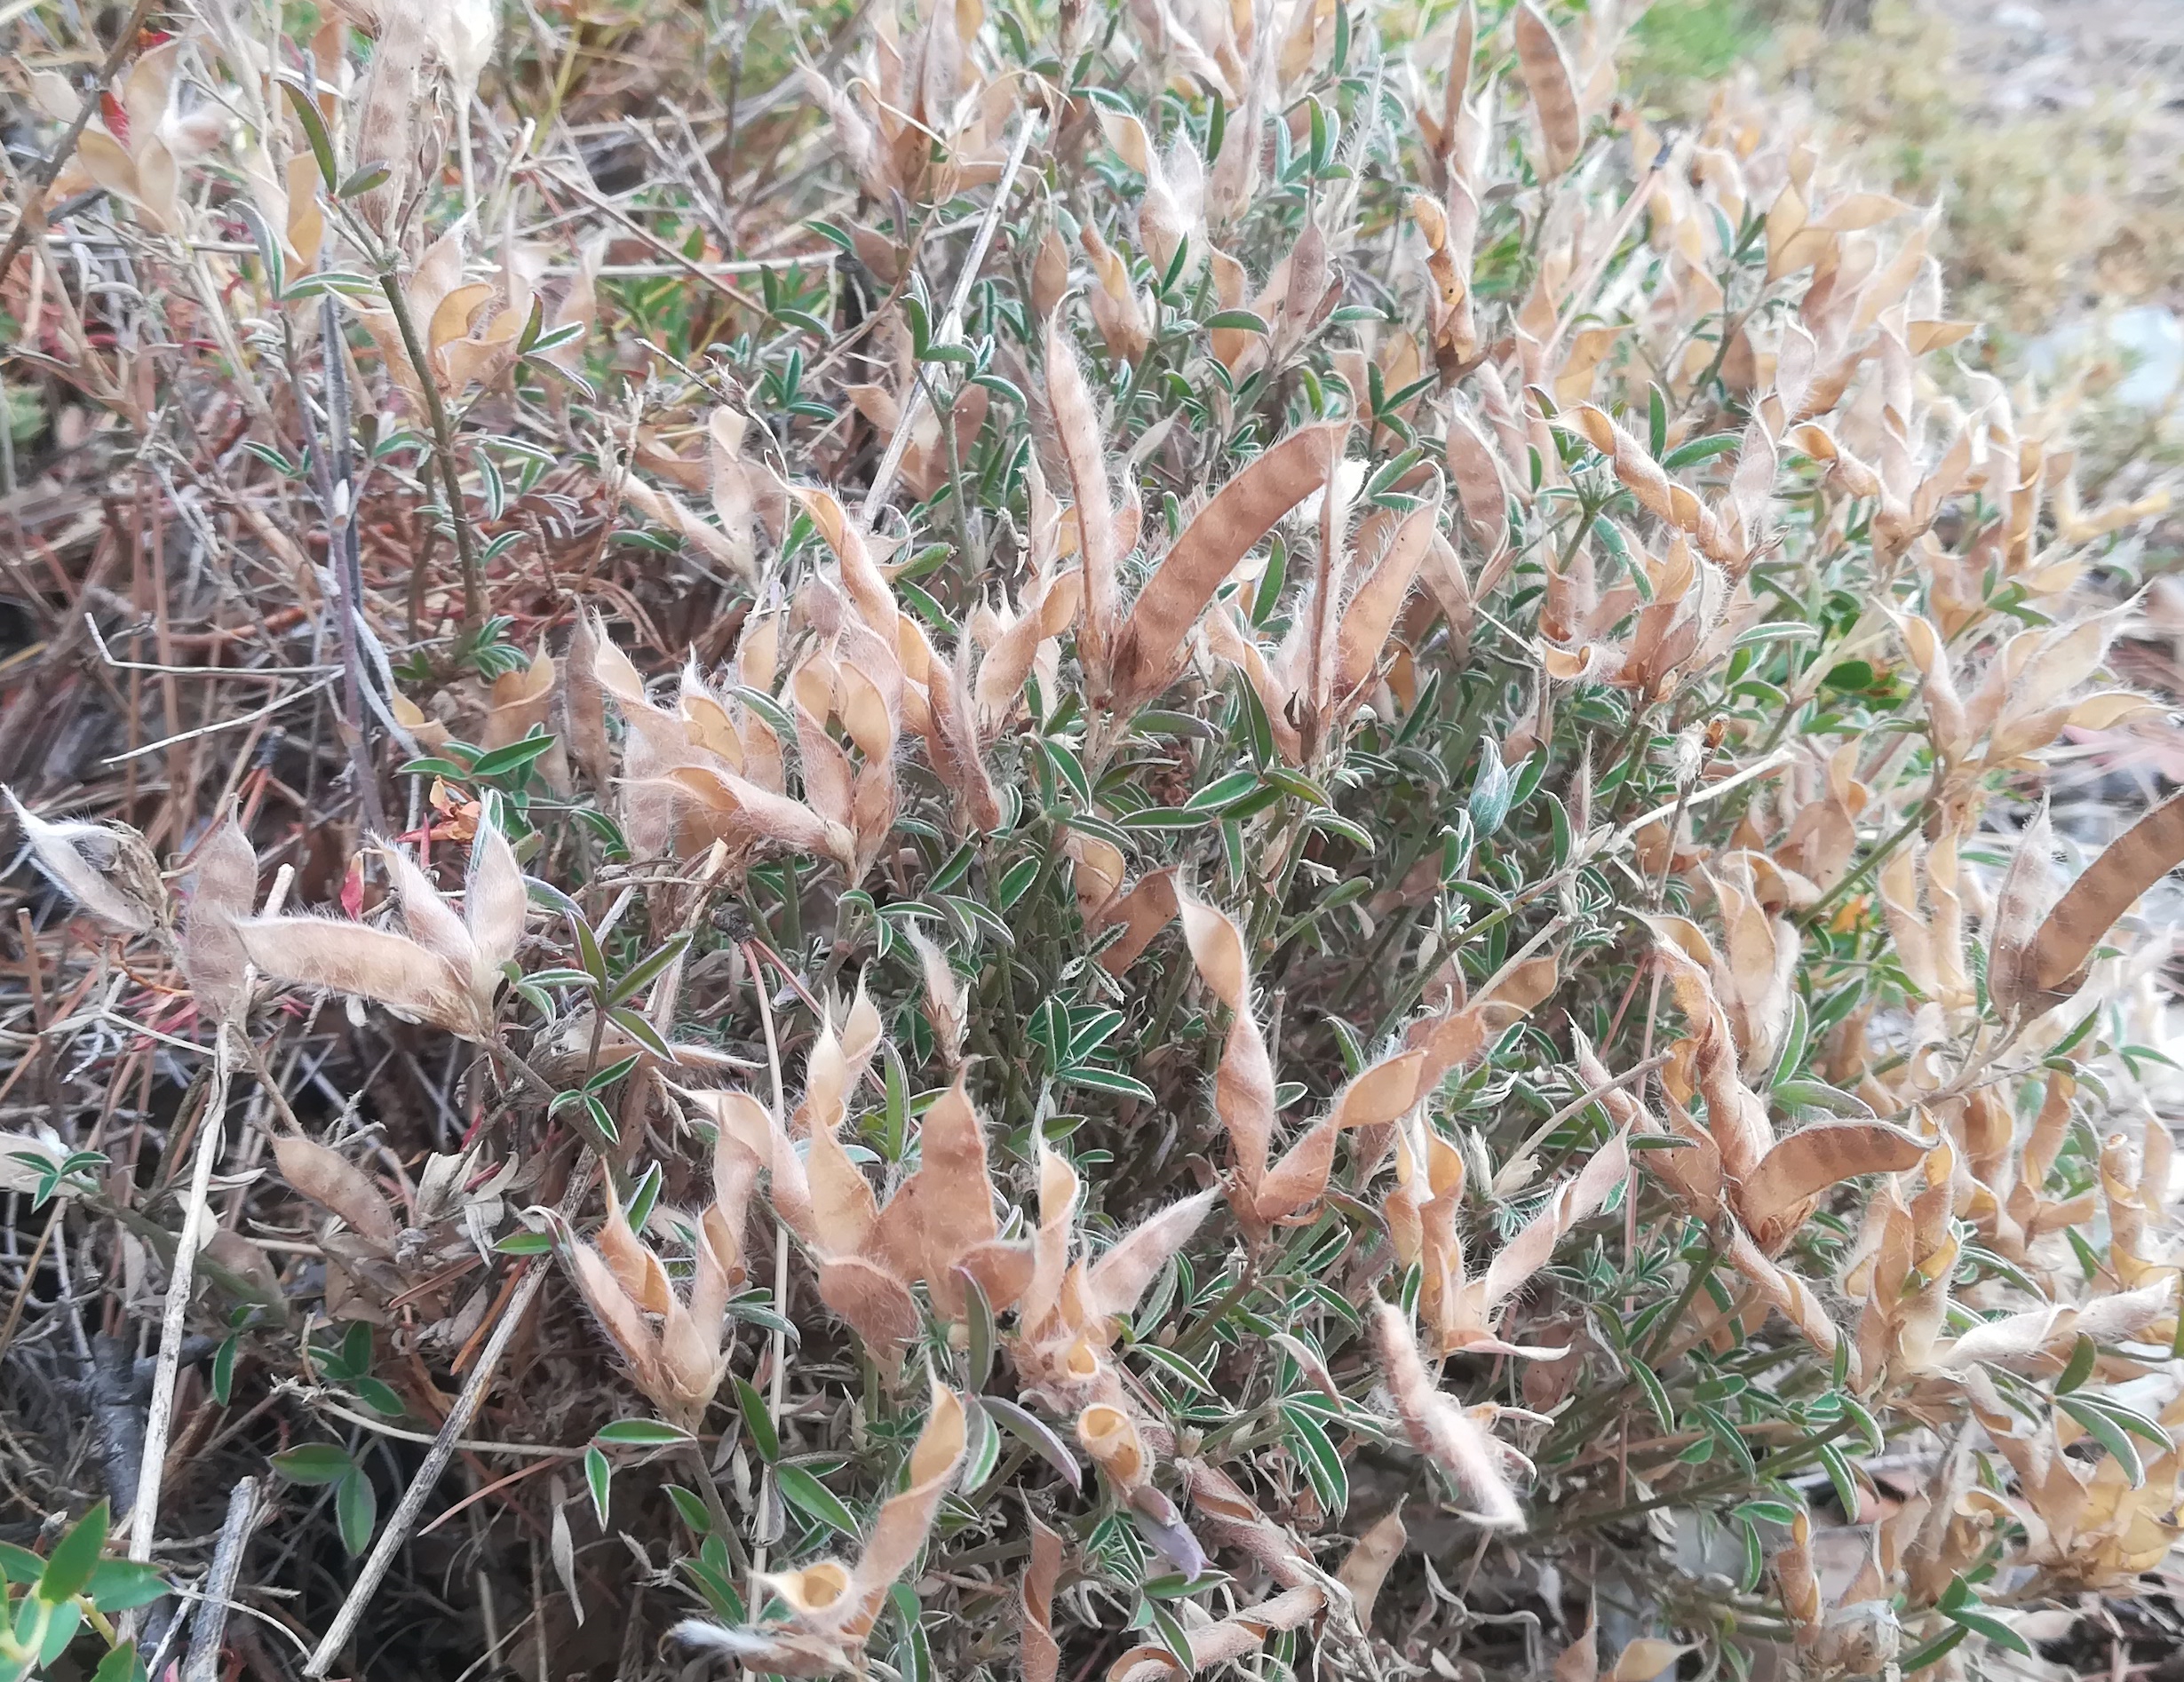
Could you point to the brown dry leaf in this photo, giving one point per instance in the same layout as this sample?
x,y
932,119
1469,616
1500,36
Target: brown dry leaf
x,y
945,1209
1553,88
225,892
741,810
1244,1084
1580,1661
2089,908
1147,908
1776,1198
1110,1437
877,1306
843,1210
586,701
640,1273
1365,1566
1645,1658
1120,1274
362,962
1076,423
445,970
333,1182
945,1004
1042,1654
2027,895
1369,618
904,1518
1529,1250
1242,512
622,1319
1377,1097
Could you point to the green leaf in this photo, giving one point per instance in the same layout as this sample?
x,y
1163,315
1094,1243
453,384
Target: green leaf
x,y
122,1586
75,1557
1755,1556
1147,818
1331,1481
1034,1433
982,1447
120,1664
1173,1364
639,1028
356,1511
758,1421
1701,450
1935,1650
1840,1475
2141,1426
314,126
588,953
914,1657
640,1433
313,1462
1987,1624
691,1508
363,181
598,1476
19,1565
1237,320
647,968
1106,1080
380,1396
223,1368
1015,882
1804,1094
602,1119
1795,1037
2108,1433
1656,1394
1223,792
62,1622
503,762
813,1498
979,1340
2082,1354
1170,1633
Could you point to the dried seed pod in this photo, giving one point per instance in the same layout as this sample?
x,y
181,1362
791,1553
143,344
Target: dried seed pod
x,y
225,891
105,868
1444,1433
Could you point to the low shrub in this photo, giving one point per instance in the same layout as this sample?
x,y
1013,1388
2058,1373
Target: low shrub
x,y
1125,842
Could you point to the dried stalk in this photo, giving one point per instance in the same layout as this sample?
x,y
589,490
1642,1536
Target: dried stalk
x,y
891,464
32,215
395,1535
144,1516
202,1663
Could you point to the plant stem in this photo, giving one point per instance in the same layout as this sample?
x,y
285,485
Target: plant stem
x,y
443,451
1787,1460
31,218
1873,862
